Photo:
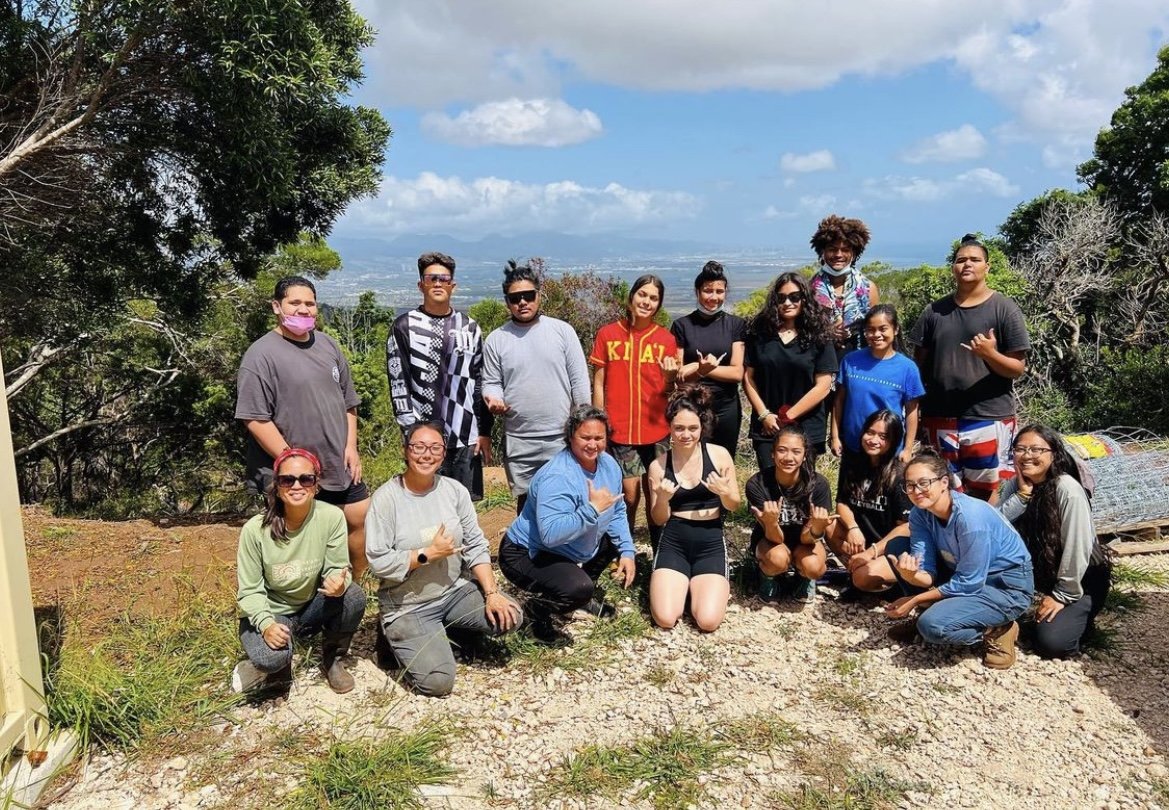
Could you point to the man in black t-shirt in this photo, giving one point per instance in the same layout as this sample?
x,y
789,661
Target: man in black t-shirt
x,y
971,346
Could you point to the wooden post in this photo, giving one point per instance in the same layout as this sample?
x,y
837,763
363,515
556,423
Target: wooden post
x,y
25,725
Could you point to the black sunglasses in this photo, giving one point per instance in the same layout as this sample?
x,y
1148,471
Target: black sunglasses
x,y
306,480
524,295
795,298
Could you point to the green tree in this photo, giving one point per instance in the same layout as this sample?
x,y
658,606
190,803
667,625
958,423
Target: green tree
x,y
1130,166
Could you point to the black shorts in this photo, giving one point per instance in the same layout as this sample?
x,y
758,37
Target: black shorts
x,y
356,493
692,547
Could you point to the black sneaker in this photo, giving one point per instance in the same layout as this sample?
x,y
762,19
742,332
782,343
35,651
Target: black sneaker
x,y
600,609
547,633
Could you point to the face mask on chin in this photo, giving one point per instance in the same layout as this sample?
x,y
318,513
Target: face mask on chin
x,y
298,324
830,270
710,312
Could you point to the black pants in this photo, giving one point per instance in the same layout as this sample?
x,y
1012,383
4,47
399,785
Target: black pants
x,y
557,584
1061,636
728,420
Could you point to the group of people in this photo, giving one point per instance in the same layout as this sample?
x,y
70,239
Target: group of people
x,y
961,537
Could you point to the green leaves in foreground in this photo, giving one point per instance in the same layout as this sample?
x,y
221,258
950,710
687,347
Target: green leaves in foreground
x,y
668,763
147,676
374,774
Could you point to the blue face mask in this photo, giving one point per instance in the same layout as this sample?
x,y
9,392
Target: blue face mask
x,y
830,270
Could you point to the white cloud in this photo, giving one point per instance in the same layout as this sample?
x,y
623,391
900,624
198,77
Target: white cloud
x,y
923,190
963,143
819,161
515,122
815,204
492,204
1060,66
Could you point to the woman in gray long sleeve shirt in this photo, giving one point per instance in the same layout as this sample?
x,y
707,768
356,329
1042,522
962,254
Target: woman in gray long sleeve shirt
x,y
424,543
1048,505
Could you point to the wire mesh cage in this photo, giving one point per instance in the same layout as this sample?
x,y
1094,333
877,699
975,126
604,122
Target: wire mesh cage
x,y
1131,470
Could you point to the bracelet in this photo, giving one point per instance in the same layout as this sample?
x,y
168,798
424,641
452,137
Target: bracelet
x,y
854,528
764,415
814,536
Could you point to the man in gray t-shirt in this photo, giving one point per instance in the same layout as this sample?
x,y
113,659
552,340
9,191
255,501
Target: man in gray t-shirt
x,y
294,389
971,347
534,372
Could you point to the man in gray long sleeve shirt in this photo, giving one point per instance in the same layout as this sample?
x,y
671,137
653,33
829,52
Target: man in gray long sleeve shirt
x,y
534,372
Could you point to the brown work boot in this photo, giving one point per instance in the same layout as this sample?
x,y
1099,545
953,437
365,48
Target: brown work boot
x,y
333,647
904,633
999,646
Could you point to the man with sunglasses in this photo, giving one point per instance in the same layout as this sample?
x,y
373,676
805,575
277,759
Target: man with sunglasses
x,y
434,360
534,373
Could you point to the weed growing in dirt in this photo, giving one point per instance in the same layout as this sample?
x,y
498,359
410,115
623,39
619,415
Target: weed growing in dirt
x,y
374,774
1128,576
147,677
666,766
494,497
847,666
658,675
842,697
667,763
851,789
900,740
594,648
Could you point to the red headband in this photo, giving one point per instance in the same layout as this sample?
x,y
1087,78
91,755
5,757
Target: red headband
x,y
295,451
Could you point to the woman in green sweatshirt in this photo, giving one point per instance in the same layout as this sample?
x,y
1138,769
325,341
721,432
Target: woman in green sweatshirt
x,y
294,579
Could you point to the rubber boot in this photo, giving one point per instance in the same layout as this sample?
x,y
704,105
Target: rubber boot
x,y
333,647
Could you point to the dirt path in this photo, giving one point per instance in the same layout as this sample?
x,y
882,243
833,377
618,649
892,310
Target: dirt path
x,y
1086,733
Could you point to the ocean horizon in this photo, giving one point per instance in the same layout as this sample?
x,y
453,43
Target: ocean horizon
x,y
394,280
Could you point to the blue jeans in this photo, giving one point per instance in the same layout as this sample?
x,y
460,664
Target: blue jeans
x,y
333,614
962,620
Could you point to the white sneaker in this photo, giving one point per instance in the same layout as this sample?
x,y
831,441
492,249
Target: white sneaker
x,y
245,676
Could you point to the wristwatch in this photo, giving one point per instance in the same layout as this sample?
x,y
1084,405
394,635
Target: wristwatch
x,y
422,558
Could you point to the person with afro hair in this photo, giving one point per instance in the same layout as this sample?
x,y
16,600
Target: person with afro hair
x,y
838,285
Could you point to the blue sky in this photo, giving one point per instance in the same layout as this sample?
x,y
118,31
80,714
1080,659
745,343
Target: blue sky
x,y
740,123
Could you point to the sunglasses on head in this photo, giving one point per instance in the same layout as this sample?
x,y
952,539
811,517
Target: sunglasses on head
x,y
524,295
306,480
795,298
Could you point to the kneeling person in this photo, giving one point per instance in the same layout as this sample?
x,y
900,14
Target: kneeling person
x,y
294,581
424,543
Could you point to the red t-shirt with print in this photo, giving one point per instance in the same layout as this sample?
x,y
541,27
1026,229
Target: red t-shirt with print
x,y
635,386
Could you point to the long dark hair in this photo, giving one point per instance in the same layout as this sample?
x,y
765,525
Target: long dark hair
x,y
1040,524
801,493
856,473
274,507
811,324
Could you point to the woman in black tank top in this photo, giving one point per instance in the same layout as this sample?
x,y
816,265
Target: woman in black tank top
x,y
691,486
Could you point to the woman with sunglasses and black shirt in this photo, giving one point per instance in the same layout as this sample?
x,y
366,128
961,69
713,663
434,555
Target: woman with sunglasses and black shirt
x,y
293,573
1047,502
790,364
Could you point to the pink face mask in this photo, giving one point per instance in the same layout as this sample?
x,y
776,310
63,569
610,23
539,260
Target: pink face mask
x,y
298,324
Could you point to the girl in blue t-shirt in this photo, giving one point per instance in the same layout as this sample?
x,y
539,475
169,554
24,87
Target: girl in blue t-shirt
x,y
878,378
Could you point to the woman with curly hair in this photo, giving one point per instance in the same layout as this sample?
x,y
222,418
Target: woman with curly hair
x,y
692,485
839,286
789,367
1046,501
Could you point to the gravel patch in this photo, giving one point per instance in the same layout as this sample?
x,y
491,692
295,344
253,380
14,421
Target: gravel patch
x,y
1088,733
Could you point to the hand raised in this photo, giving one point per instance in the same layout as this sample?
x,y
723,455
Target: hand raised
x,y
769,516
907,564
708,363
983,344
334,585
602,498
666,488
442,544
669,365
819,520
721,482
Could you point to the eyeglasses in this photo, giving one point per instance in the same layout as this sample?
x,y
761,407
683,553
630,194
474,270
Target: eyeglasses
x,y
524,295
922,484
437,278
306,480
795,298
418,448
1031,451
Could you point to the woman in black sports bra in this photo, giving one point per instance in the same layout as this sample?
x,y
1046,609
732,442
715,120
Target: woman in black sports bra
x,y
691,486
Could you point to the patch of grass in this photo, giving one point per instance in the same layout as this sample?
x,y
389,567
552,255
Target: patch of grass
x,y
495,497
848,666
842,697
147,677
760,733
667,763
1127,576
852,789
1122,601
59,533
899,740
374,774
943,688
658,675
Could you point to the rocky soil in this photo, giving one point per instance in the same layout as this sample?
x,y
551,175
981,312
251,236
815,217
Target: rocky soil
x,y
1088,733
